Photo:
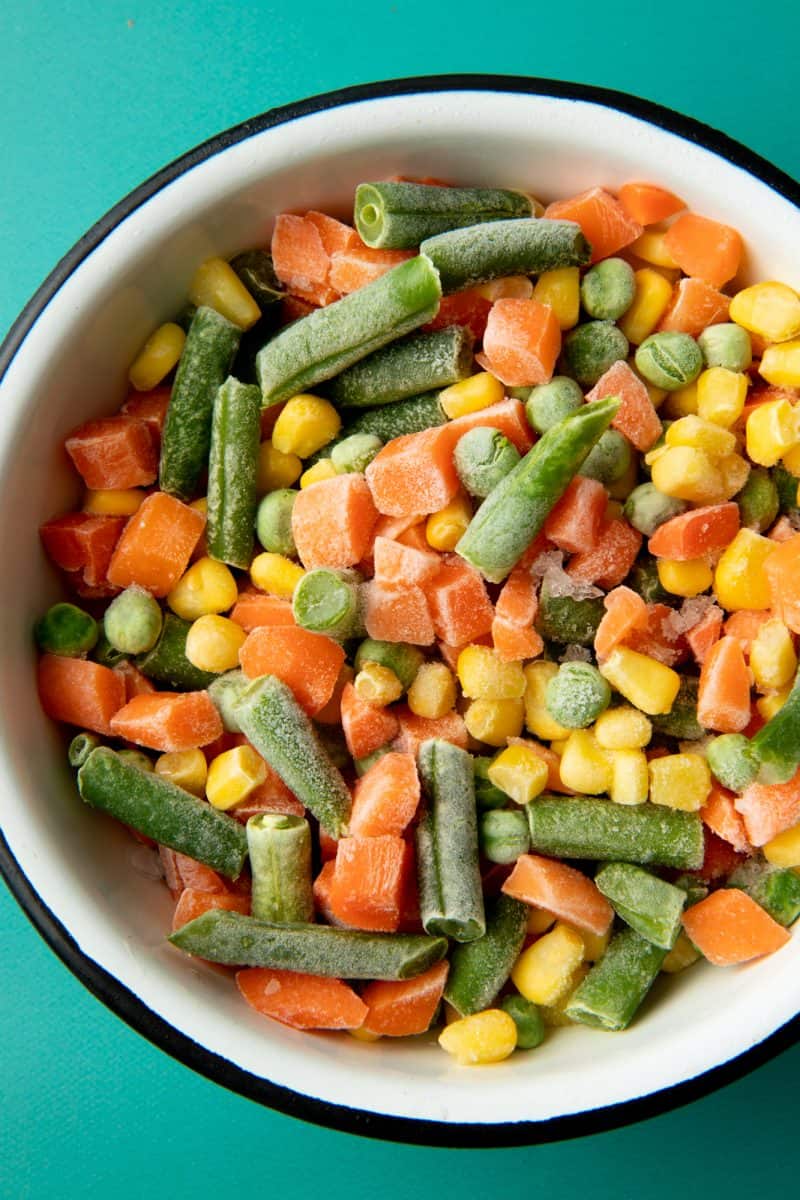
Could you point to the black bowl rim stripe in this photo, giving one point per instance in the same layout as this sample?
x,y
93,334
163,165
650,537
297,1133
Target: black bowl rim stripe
x,y
120,999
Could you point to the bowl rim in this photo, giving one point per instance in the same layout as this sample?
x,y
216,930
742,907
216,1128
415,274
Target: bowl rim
x,y
103,985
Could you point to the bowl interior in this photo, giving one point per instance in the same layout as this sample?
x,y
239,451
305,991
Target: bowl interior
x,y
72,366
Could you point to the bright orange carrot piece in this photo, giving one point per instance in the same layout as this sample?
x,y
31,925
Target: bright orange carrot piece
x,y
308,663
708,630
575,521
358,265
782,569
332,521
695,305
335,235
647,203
636,417
745,624
611,558
625,611
114,452
79,692
386,797
507,416
82,542
468,308
397,614
150,407
168,721
156,544
254,609
413,473
415,730
321,891
196,875
300,259
546,883
521,343
605,224
193,903
769,809
728,927
369,881
723,696
366,727
658,639
136,684
301,1001
705,248
459,604
696,533
720,815
404,1007
397,565
513,635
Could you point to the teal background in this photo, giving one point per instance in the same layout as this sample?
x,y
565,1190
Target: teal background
x,y
94,97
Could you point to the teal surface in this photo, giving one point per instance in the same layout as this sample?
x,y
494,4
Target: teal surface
x,y
95,97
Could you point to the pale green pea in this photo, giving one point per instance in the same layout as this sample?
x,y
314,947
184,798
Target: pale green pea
x,y
607,289
355,453
132,621
483,457
274,522
577,695
592,348
609,459
726,346
669,360
646,508
551,402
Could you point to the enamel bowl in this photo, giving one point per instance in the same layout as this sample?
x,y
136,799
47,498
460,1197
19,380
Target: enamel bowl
x,y
78,876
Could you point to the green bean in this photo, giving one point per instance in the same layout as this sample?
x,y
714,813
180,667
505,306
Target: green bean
x,y
133,621
611,993
551,402
669,360
775,889
478,253
67,630
681,721
482,457
233,463
584,827
399,215
758,500
355,453
167,663
390,421
399,657
478,969
726,345
225,691
607,289
280,859
776,746
566,619
590,349
646,508
609,460
81,747
648,904
503,834
577,695
732,761
528,1020
419,363
274,522
328,601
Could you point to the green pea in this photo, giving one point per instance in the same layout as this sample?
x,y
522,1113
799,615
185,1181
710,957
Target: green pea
x,y
758,500
67,630
136,758
274,522
732,761
528,1020
483,457
787,486
355,453
644,580
726,346
487,796
609,458
592,348
577,695
133,621
646,508
551,402
503,834
607,289
669,360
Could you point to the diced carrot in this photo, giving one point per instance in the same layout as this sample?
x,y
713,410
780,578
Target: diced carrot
x,y
295,307
254,609
150,407
744,626
720,815
196,875
605,224
694,306
168,721
386,797
513,635
335,235
414,536
647,203
769,809
402,566
412,473
366,727
611,558
114,452
193,903
729,927
708,630
309,663
369,880
300,259
395,614
708,249
321,891
514,642
575,521
636,417
468,308
79,692
546,883
136,684
404,1007
696,533
723,697
156,544
328,846
415,730
659,640
625,611
507,416
782,530
331,714
782,569
332,521
521,343
301,1001
393,528
459,604
720,859
358,265
82,542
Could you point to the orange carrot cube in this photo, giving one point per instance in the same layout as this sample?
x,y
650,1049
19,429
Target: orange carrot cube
x,y
301,1001
254,609
114,452
708,249
696,533
694,306
415,730
522,342
397,565
605,223
194,903
404,1007
308,663
82,542
366,727
386,797
625,612
332,521
575,521
156,544
769,809
459,604
395,614
168,721
414,473
728,927
611,558
723,696
557,888
782,569
720,815
369,881
647,203
79,692
636,417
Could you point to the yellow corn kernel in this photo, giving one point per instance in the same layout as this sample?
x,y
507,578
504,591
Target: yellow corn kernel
x,y
207,586
537,719
554,1015
157,357
324,469
519,772
702,434
772,657
772,703
507,287
721,395
772,429
584,765
688,578
682,403
113,502
784,849
470,395
560,289
650,248
680,781
213,643
629,776
444,528
216,284
233,775
560,744
594,944
543,972
185,768
276,574
791,460
539,920
622,728
484,1037
276,470
331,714
687,474
739,579
306,424
433,692
484,676
735,472
769,309
650,301
649,685
200,505
364,1035
377,685
494,721
780,365
681,956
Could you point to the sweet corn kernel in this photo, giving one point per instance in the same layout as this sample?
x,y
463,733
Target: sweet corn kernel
x,y
594,944
483,676
200,505
657,395
207,586
555,1015
629,777
703,434
471,395
560,744
784,850
377,685
444,529
540,920
721,395
584,765
519,772
364,1035
767,706
739,579
543,972
213,643
276,470
688,578
276,574
157,357
771,430
681,956
484,1037
791,460
185,768
507,287
537,719
780,365
772,657
687,474
649,685
680,781
433,692
233,775
494,721
682,403
113,502
735,472
650,301
324,469
650,247
216,284
769,309
560,289
622,728
306,424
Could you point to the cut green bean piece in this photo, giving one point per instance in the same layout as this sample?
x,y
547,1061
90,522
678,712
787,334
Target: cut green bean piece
x,y
280,860
648,904
157,808
225,691
776,746
399,657
328,601
398,215
232,938
528,1020
511,516
274,522
132,622
167,662
611,993
777,890
527,246
257,273
67,630
450,895
503,834
415,364
681,721
329,340
478,969
390,421
275,723
232,468
211,343
583,827
81,747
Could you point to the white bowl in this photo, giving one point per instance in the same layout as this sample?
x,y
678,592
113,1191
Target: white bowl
x,y
65,360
